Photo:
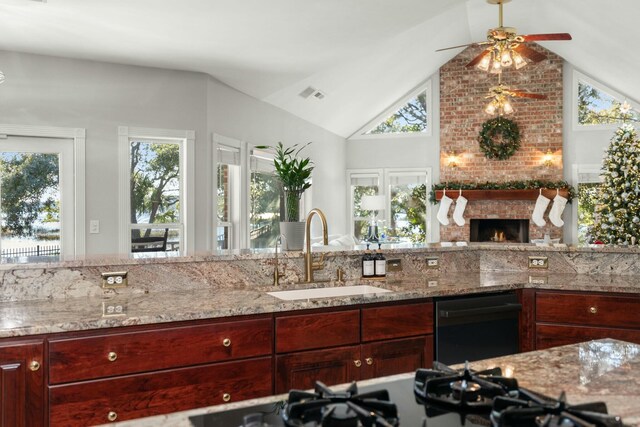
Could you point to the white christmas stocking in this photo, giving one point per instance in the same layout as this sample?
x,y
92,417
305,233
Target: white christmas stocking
x,y
555,214
538,211
458,212
443,211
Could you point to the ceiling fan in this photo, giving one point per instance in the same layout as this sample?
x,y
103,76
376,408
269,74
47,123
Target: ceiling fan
x,y
506,47
501,95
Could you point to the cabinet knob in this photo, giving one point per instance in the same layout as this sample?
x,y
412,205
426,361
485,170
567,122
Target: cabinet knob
x,y
112,416
358,363
226,342
112,356
593,310
226,397
369,361
34,365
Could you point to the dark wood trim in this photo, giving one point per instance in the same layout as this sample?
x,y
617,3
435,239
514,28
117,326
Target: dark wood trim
x,y
527,298
503,194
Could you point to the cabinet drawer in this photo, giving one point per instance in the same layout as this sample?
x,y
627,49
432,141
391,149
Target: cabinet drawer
x,y
308,331
77,359
142,395
554,335
397,321
588,309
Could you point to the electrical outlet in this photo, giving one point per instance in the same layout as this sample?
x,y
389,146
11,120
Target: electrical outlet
x,y
394,265
116,279
538,262
538,280
433,262
110,309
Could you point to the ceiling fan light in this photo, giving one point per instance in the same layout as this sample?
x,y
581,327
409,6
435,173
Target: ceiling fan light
x,y
496,66
518,60
491,108
505,58
507,107
484,63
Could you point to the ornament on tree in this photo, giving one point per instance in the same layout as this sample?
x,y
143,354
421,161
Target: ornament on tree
x,y
617,212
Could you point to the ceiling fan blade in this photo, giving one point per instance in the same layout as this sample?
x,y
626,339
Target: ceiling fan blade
x,y
478,58
522,94
542,37
462,45
530,54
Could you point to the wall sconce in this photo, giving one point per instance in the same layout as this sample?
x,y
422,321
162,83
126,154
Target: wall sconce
x,y
452,160
547,159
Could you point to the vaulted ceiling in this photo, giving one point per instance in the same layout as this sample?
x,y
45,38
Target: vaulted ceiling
x,y
364,55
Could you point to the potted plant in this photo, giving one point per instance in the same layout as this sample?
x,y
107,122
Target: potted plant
x,y
294,173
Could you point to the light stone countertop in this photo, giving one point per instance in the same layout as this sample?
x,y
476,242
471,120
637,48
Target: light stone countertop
x,y
86,313
604,370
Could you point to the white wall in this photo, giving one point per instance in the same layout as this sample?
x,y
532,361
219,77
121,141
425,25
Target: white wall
x,y
98,96
407,152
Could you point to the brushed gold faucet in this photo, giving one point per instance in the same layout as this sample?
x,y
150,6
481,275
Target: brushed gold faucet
x,y
309,265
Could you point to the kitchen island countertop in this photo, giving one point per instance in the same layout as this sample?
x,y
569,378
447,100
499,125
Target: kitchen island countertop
x,y
603,370
23,318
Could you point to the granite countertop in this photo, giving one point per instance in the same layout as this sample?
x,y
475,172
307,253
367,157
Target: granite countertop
x,y
86,313
604,370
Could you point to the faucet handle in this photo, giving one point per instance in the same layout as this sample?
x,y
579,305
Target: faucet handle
x,y
340,274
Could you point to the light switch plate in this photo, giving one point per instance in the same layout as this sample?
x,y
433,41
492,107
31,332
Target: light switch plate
x,y
538,262
115,279
94,226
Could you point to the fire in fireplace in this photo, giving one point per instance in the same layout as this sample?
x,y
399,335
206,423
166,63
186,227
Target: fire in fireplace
x,y
500,230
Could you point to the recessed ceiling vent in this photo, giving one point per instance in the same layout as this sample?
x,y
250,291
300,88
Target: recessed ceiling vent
x,y
312,92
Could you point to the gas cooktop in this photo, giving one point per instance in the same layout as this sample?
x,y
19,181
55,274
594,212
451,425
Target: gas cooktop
x,y
438,397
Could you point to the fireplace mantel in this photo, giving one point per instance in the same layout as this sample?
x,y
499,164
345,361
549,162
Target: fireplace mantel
x,y
503,194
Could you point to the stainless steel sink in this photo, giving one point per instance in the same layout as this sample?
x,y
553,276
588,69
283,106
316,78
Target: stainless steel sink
x,y
338,291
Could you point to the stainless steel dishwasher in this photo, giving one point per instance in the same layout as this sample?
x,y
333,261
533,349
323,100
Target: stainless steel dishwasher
x,y
476,327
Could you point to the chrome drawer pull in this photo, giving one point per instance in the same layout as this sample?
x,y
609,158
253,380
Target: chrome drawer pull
x,y
226,342
593,310
34,365
226,397
358,363
112,416
112,356
369,361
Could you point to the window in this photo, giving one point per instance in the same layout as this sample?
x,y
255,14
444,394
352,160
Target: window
x,y
42,202
158,201
588,182
410,116
598,105
405,218
264,201
408,206
227,196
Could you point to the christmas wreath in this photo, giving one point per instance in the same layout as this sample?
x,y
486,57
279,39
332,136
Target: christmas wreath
x,y
508,130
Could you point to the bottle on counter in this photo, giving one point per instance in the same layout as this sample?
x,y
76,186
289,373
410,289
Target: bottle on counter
x,y
380,262
368,264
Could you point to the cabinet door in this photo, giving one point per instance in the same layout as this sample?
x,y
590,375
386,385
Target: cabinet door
x,y
21,385
141,395
554,335
302,370
396,356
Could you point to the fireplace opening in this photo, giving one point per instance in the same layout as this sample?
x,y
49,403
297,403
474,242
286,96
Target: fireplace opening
x,y
500,230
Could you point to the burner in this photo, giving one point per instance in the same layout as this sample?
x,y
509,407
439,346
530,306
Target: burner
x,y
327,408
469,392
532,409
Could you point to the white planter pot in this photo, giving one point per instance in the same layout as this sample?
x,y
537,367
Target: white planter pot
x,y
292,235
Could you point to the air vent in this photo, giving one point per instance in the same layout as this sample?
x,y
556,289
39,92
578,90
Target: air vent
x,y
312,92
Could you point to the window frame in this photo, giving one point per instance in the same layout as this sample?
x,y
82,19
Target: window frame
x,y
423,87
77,247
383,175
579,77
576,171
186,141
236,193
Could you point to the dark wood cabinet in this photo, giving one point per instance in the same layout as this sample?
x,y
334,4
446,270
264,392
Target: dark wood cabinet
x,y
357,344
141,395
572,317
21,384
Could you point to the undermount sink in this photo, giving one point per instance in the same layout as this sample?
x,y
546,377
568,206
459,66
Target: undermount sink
x,y
338,291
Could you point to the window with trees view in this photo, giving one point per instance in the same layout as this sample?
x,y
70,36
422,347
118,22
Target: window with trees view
x,y
264,202
598,107
405,218
409,118
155,196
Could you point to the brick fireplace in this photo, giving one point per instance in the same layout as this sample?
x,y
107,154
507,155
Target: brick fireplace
x,y
462,102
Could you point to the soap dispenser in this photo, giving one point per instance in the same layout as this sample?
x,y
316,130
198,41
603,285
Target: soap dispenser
x,y
368,264
380,263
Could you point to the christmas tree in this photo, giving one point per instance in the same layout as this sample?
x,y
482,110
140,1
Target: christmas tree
x,y
617,219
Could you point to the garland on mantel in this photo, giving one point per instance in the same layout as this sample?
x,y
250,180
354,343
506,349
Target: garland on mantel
x,y
533,184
